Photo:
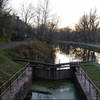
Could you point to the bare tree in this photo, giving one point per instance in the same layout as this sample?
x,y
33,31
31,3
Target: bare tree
x,y
89,24
93,25
3,4
42,15
53,23
27,13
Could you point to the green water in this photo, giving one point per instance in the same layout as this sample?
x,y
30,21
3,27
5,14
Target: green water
x,y
64,89
61,89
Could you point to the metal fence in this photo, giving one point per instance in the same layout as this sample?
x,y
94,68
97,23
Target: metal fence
x,y
8,84
93,90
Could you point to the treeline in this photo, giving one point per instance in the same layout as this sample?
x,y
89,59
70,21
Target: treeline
x,y
30,22
11,26
37,22
86,30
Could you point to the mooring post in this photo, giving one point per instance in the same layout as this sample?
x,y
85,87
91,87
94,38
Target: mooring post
x,y
53,70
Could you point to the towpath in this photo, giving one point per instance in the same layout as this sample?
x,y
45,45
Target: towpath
x,y
10,45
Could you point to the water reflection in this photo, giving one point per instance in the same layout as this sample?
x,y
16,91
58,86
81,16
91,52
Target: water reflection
x,y
97,57
39,96
78,54
62,57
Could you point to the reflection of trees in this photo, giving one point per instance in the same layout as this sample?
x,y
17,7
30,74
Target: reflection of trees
x,y
80,53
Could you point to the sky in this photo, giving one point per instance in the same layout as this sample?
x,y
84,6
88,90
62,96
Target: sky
x,y
69,11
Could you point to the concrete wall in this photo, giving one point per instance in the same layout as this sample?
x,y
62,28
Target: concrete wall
x,y
20,87
81,93
89,93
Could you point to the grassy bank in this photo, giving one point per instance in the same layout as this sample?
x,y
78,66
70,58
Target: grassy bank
x,y
35,50
4,41
93,72
7,67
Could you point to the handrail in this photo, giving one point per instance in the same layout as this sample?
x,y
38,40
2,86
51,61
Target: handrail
x,y
4,87
88,78
91,81
33,62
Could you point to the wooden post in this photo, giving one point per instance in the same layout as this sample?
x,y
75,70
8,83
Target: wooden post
x,y
85,79
73,69
89,87
0,94
0,97
97,95
52,70
10,85
34,72
81,73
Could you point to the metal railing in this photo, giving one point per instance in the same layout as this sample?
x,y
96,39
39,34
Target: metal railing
x,y
91,84
8,84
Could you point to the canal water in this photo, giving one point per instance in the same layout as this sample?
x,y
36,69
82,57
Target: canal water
x,y
62,89
71,54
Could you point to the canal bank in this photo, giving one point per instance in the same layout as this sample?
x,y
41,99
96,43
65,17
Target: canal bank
x,y
88,76
37,93
40,90
85,87
10,69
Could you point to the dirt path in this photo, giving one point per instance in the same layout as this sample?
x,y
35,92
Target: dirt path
x,y
14,44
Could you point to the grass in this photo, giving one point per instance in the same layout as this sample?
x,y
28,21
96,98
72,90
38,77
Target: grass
x,y
34,50
3,77
8,65
7,68
4,42
93,72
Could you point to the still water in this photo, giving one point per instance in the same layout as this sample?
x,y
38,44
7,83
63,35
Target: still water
x,y
59,90
72,54
64,89
62,57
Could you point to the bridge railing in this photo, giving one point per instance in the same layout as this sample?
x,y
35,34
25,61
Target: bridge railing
x,y
8,84
91,84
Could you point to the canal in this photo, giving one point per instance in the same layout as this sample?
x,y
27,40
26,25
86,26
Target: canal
x,y
60,89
